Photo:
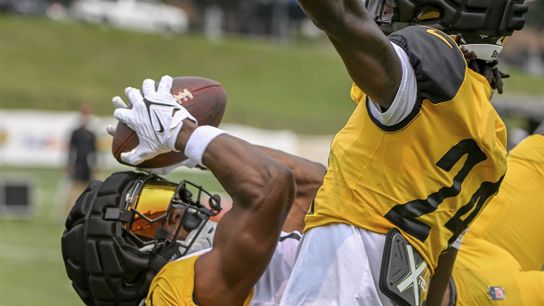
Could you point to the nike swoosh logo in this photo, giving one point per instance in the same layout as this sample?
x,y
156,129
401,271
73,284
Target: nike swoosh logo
x,y
161,127
148,105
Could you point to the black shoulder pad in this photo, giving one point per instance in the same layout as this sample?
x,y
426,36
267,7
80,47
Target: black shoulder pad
x,y
438,63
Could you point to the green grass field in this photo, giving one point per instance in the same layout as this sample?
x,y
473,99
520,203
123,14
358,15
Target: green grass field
x,y
51,65
55,66
303,87
31,268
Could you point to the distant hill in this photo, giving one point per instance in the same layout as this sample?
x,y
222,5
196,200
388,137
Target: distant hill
x,y
56,65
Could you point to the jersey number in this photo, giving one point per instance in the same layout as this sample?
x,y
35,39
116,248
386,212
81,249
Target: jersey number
x,y
404,215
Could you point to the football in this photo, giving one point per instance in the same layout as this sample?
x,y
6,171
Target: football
x,y
203,98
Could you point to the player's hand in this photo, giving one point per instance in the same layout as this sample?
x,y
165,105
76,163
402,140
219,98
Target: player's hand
x,y
156,117
118,103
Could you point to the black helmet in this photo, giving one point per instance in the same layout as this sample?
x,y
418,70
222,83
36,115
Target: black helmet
x,y
483,23
108,253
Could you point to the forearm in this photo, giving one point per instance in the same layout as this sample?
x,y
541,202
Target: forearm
x,y
230,159
331,15
262,191
374,67
367,53
247,174
305,171
441,277
308,177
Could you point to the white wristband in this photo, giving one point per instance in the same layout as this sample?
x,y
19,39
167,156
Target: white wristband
x,y
199,141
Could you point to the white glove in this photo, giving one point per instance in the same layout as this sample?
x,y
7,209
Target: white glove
x,y
156,117
160,171
119,103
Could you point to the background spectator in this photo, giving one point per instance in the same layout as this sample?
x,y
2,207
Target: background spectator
x,y
81,164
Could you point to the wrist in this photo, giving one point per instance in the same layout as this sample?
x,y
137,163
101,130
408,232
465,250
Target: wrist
x,y
198,142
184,134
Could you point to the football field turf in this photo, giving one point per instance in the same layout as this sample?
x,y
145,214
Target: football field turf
x,y
49,65
31,268
302,86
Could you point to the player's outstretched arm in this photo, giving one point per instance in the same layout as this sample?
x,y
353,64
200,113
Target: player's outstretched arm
x,y
262,191
367,53
308,177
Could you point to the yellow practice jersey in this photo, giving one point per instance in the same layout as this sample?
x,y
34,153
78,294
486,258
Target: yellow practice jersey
x,y
515,218
175,283
502,254
429,175
485,274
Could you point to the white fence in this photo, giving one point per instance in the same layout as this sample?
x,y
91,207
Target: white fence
x,y
31,138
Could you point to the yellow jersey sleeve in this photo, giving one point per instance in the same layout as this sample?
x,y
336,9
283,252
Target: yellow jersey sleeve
x,y
356,94
174,284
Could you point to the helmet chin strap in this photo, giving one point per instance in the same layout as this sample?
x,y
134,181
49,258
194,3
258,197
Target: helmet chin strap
x,y
486,52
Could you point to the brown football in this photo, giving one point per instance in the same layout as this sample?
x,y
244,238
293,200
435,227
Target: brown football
x,y
205,99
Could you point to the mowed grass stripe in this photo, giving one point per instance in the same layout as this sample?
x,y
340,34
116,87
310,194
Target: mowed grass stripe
x,y
52,65
27,253
303,87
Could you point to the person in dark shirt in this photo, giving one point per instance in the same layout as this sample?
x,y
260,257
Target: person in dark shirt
x,y
81,156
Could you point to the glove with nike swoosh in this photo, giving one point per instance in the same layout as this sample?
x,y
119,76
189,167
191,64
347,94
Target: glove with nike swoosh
x,y
110,129
156,117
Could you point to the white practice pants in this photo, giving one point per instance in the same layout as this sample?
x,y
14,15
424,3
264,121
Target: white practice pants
x,y
337,264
